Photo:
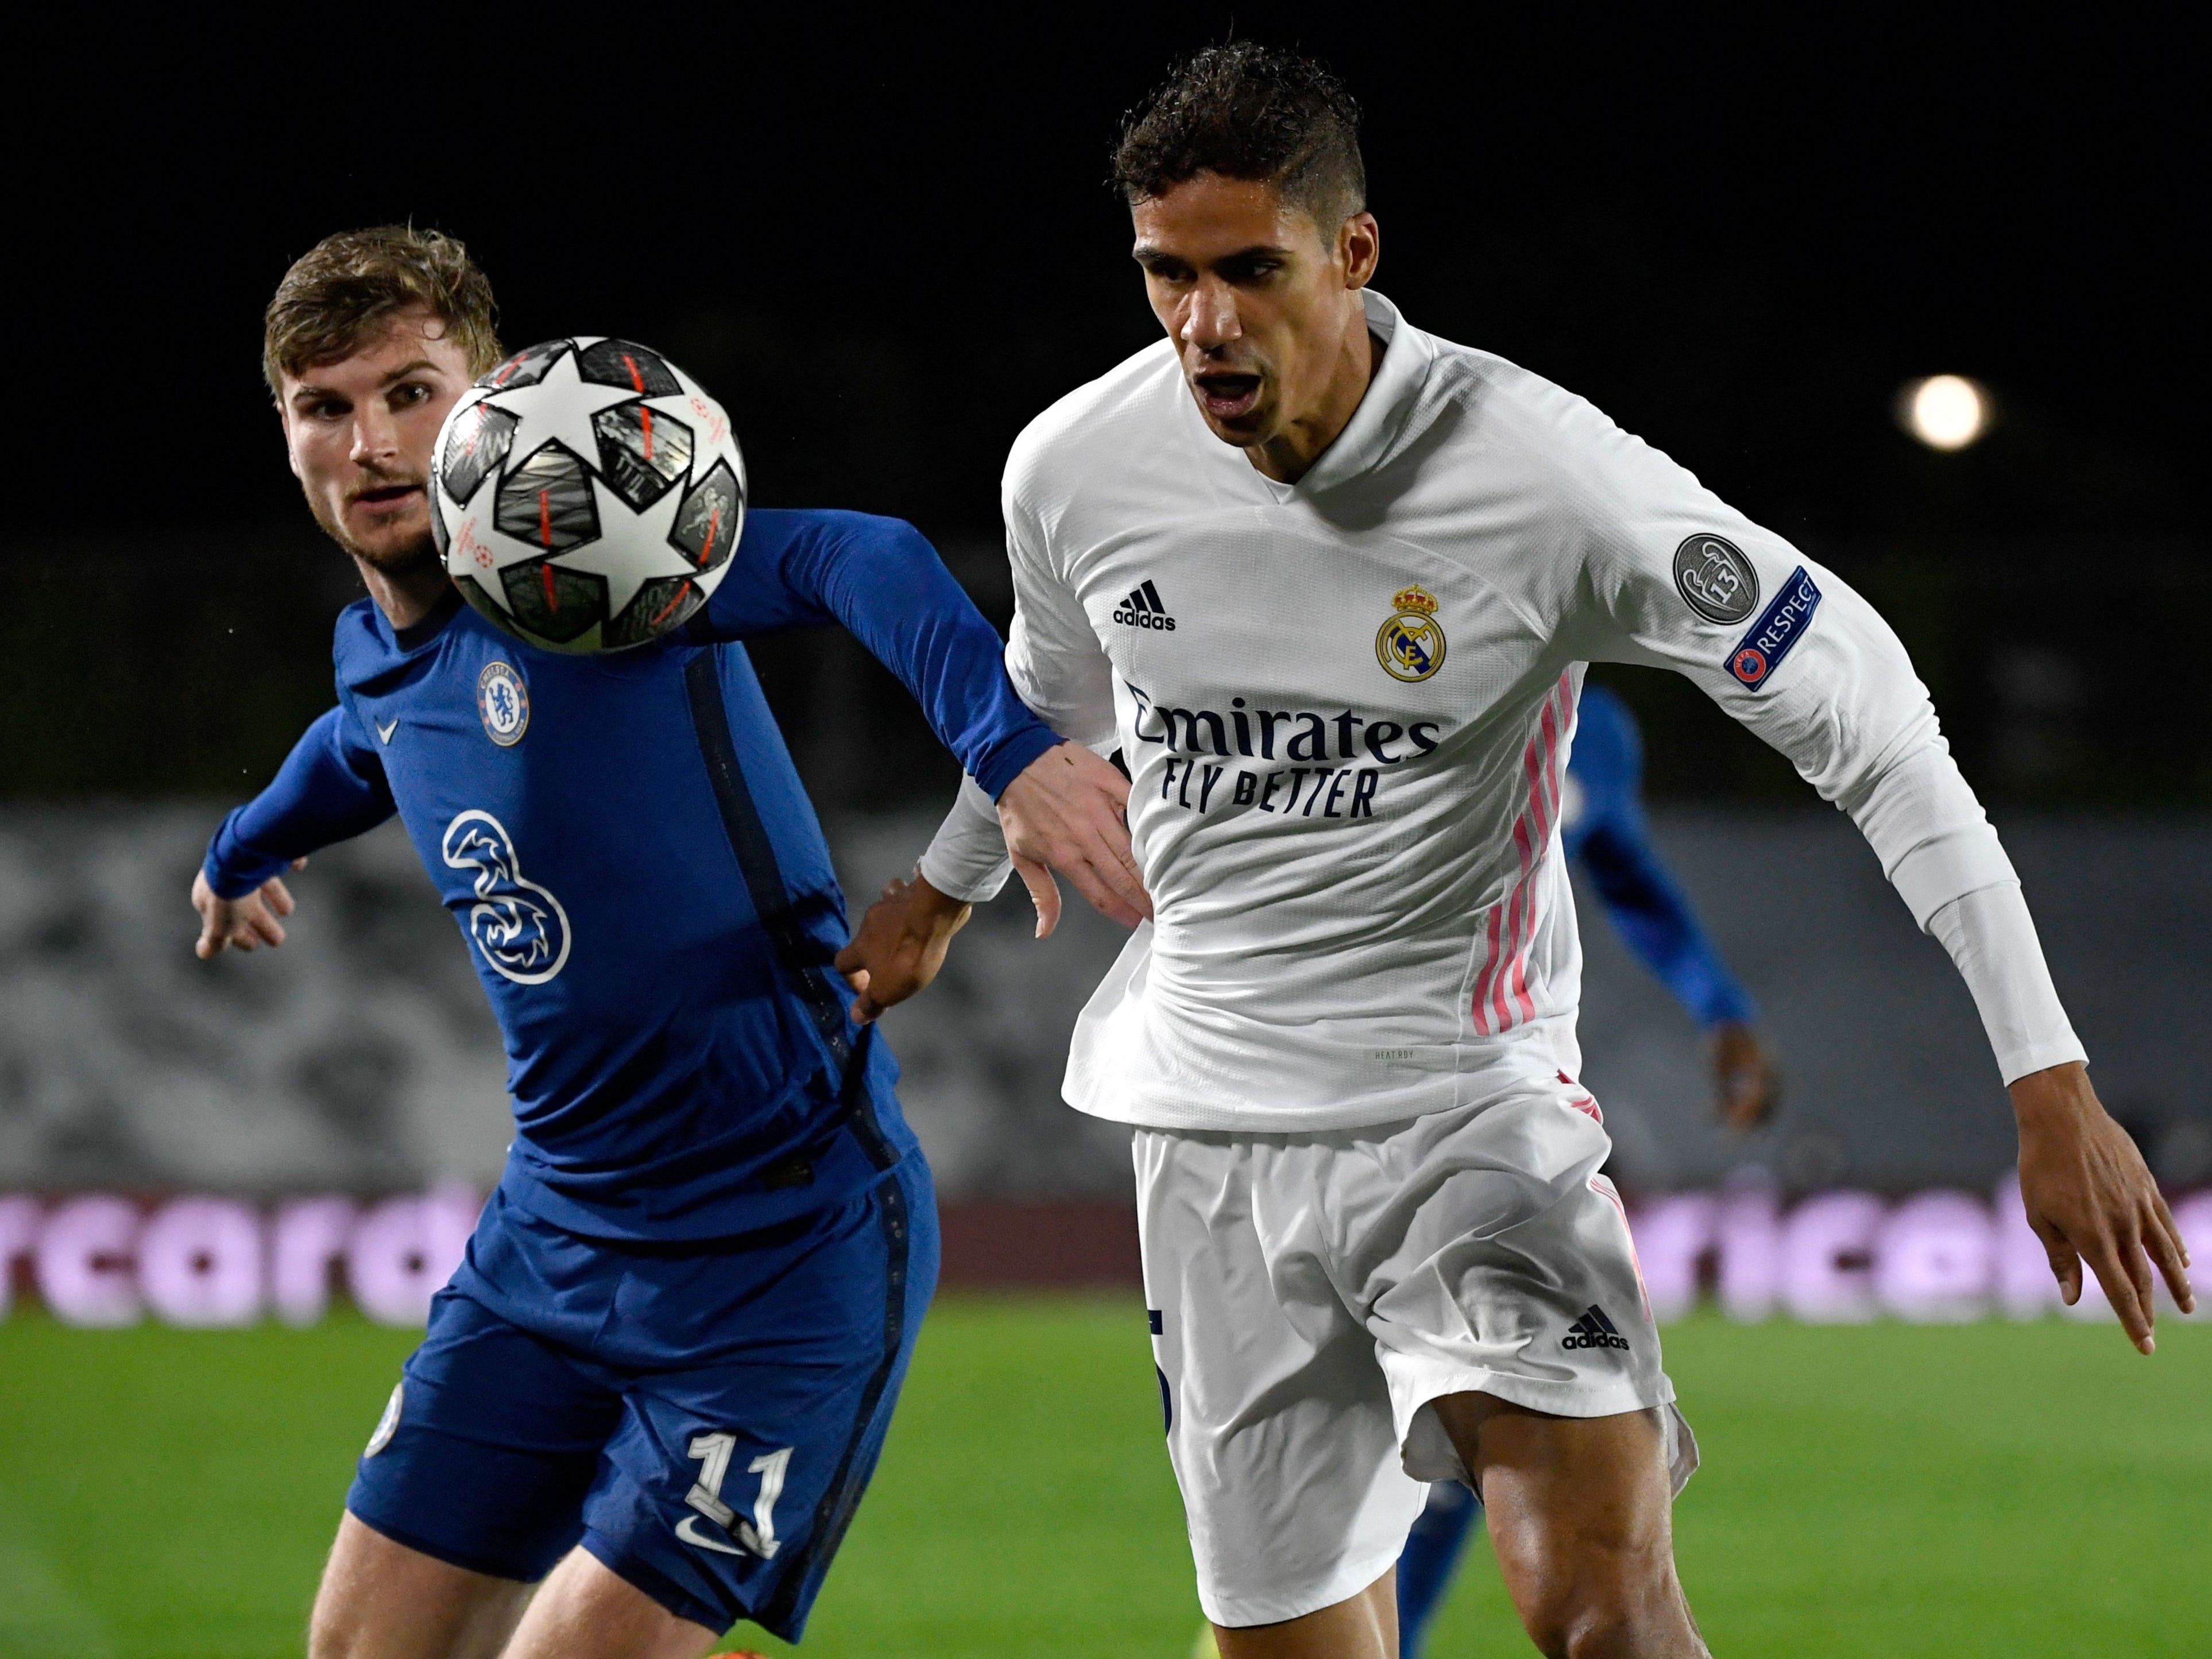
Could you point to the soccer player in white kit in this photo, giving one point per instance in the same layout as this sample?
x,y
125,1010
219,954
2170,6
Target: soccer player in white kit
x,y
1329,584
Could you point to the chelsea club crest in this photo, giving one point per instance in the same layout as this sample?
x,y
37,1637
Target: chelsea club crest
x,y
503,704
1411,644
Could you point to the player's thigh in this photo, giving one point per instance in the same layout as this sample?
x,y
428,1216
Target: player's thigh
x,y
738,1465
585,1611
489,1445
1490,1257
1278,1416
1580,1518
380,1599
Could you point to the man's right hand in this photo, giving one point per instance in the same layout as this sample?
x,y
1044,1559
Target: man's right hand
x,y
1069,811
2090,1200
1743,1077
900,945
241,923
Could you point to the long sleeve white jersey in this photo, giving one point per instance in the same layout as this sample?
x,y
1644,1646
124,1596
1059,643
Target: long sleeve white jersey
x,y
1347,706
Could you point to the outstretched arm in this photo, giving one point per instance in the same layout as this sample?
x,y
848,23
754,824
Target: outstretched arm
x,y
331,788
883,581
1068,812
1790,650
1057,663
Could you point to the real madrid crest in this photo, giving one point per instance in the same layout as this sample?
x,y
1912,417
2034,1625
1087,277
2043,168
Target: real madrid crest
x,y
503,704
1411,644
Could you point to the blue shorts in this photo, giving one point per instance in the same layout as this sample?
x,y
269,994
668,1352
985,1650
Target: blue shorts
x,y
701,1417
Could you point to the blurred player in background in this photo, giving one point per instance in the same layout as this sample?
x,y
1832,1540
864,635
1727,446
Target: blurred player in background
x,y
660,1381
1330,584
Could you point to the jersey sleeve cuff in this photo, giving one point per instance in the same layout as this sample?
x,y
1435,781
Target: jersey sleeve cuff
x,y
1009,758
969,882
966,859
1991,938
233,869
2040,1057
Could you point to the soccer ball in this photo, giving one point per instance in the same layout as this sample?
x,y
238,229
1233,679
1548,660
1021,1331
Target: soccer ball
x,y
587,494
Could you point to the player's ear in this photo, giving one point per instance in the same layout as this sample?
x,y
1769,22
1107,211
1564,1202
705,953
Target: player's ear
x,y
1359,248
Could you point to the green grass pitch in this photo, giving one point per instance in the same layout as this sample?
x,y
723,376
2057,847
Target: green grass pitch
x,y
1878,1490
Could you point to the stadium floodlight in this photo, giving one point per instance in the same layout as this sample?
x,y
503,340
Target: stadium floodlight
x,y
1944,411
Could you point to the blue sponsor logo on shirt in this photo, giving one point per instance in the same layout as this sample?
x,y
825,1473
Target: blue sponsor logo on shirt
x,y
1779,627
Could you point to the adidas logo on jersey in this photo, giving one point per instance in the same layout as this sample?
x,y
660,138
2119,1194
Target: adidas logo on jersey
x,y
1143,609
1593,1330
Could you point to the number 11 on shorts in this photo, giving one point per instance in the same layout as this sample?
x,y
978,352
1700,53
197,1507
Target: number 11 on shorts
x,y
759,1535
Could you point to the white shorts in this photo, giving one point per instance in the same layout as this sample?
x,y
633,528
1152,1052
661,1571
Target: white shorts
x,y
1312,1293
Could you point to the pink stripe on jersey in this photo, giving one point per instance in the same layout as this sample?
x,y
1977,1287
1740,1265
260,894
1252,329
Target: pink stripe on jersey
x,y
1502,997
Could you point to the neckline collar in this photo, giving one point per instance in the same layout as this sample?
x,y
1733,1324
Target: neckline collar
x,y
417,635
1374,426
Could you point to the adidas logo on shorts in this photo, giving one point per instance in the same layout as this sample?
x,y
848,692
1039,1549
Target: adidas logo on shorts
x,y
1143,609
1593,1330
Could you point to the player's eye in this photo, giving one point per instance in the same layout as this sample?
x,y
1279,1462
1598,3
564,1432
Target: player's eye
x,y
413,392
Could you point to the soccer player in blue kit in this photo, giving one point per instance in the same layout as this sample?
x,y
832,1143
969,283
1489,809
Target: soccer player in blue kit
x,y
648,1401
1603,830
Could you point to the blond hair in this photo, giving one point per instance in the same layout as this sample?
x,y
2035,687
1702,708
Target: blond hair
x,y
344,290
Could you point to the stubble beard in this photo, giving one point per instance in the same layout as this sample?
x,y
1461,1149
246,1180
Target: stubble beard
x,y
397,560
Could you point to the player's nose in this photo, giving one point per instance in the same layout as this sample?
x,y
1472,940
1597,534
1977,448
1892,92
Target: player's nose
x,y
375,436
1210,317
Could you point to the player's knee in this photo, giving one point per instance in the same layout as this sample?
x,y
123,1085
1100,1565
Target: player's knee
x,y
1619,1606
1596,1631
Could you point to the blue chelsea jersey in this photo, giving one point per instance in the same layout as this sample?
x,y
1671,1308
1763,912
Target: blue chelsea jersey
x,y
641,880
1602,828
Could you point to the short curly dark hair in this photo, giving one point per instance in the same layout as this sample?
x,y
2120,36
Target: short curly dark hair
x,y
1246,111
340,292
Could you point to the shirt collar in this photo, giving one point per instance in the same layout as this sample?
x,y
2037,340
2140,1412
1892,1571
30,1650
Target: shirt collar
x,y
1375,426
417,635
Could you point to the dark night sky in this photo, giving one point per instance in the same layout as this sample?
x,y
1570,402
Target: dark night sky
x,y
885,249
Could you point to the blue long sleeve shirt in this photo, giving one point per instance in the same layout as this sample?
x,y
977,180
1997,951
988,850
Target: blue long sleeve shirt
x,y
642,884
1603,826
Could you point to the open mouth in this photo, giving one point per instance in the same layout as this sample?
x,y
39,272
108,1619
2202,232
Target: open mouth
x,y
387,497
1228,397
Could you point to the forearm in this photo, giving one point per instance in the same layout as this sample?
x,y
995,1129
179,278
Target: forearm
x,y
1926,826
1991,938
321,795
885,583
1943,856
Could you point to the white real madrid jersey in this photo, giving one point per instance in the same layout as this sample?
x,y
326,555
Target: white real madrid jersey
x,y
1347,706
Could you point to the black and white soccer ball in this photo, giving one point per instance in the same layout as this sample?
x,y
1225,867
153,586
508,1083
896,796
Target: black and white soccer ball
x,y
586,495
